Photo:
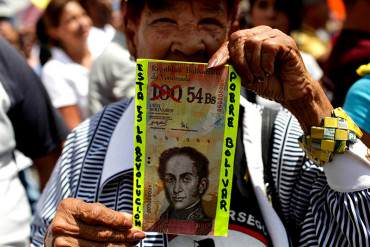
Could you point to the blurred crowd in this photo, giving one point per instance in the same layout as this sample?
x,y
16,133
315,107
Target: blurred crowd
x,y
78,62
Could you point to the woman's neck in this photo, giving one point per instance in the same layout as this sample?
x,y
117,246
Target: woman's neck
x,y
79,54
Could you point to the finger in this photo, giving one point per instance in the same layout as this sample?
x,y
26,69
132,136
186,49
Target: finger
x,y
97,214
220,57
252,31
271,89
62,241
253,49
237,58
268,55
286,47
239,55
102,234
269,51
97,233
257,56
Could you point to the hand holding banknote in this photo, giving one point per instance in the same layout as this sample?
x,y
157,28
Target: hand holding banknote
x,y
270,64
77,223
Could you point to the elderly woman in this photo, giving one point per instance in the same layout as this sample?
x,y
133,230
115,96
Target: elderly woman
x,y
312,206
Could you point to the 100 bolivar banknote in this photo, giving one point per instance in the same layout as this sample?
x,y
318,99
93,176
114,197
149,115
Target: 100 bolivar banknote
x,y
186,122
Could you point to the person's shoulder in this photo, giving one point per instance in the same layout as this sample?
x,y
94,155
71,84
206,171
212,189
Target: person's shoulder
x,y
362,84
111,113
358,92
53,67
113,53
116,109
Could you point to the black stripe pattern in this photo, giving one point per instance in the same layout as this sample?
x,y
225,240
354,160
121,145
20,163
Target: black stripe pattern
x,y
313,214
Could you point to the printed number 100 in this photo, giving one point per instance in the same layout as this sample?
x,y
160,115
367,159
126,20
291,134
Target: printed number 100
x,y
193,94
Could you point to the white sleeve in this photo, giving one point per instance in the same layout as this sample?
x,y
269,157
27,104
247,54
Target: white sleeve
x,y
59,89
350,171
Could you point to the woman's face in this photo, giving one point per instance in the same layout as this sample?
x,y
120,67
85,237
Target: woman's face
x,y
74,25
264,12
186,30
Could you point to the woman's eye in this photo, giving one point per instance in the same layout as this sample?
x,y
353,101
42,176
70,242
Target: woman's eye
x,y
211,21
164,20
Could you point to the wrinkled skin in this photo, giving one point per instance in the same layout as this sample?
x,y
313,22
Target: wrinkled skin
x,y
269,63
77,223
267,60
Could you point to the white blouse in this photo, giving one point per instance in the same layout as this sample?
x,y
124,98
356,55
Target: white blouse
x,y
66,81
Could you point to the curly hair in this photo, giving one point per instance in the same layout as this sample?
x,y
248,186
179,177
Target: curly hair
x,y
200,161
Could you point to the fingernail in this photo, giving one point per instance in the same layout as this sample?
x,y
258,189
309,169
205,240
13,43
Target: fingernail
x,y
213,63
139,235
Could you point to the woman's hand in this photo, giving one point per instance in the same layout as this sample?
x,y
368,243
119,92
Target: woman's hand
x,y
77,223
270,64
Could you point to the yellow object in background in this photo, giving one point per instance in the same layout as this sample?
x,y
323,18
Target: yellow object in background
x,y
363,70
40,4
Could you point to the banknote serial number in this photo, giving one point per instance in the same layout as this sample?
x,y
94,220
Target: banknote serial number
x,y
178,94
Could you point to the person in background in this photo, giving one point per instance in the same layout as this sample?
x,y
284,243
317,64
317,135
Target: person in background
x,y
285,16
30,124
65,75
357,103
29,47
24,164
116,14
280,14
351,49
8,32
88,201
112,75
101,14
312,37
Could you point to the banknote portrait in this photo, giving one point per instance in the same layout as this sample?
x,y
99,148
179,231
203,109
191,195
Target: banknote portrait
x,y
184,174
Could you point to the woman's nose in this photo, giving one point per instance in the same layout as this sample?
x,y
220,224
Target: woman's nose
x,y
188,42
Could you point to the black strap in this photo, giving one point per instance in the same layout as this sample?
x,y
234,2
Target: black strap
x,y
240,162
268,119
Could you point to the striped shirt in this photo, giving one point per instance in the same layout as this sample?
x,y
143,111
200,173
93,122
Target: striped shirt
x,y
312,213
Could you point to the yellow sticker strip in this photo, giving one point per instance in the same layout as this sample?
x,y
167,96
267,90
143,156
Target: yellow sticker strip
x,y
228,153
140,142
